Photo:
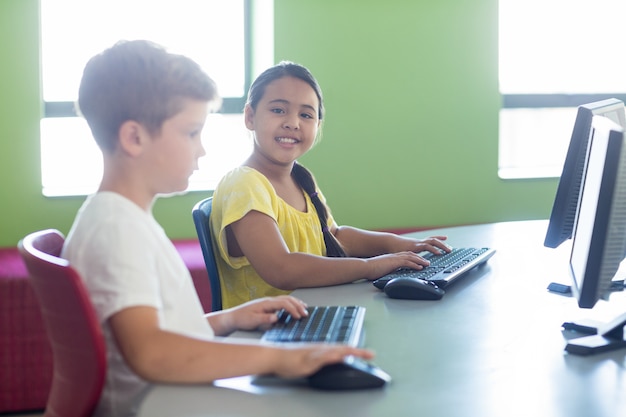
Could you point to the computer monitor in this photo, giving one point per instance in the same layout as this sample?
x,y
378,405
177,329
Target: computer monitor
x,y
566,200
599,234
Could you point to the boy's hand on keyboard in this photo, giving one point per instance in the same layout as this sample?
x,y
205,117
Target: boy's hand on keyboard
x,y
255,314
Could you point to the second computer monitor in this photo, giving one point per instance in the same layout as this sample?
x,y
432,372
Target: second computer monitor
x,y
599,238
566,200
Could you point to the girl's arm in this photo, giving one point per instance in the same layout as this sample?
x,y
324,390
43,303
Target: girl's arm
x,y
257,237
366,243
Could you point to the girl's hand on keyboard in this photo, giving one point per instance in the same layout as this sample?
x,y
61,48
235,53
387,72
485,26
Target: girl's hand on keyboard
x,y
255,314
432,244
385,264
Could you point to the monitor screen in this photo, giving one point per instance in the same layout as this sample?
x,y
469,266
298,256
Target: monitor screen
x,y
599,236
566,200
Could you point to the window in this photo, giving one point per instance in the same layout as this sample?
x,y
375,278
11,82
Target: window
x,y
553,56
215,33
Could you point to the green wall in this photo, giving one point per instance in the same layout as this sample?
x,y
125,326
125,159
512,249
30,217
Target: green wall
x,y
411,93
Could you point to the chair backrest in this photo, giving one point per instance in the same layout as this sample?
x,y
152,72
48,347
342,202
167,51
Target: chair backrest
x,y
78,347
201,213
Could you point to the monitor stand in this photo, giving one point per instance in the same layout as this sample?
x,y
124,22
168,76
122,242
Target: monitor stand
x,y
609,336
584,326
587,326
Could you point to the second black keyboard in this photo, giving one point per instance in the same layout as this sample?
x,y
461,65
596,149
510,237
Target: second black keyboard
x,y
443,269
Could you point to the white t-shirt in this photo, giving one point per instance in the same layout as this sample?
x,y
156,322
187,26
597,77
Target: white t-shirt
x,y
126,260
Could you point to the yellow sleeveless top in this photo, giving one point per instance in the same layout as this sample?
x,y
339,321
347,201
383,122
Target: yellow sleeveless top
x,y
240,191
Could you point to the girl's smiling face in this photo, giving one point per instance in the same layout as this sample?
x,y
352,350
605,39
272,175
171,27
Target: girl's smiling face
x,y
285,122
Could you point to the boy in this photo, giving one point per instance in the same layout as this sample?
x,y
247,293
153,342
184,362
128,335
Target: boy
x,y
146,109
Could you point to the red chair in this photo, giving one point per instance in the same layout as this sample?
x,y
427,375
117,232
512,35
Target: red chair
x,y
78,347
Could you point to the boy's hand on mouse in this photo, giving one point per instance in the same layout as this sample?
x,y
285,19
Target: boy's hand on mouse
x,y
298,361
261,313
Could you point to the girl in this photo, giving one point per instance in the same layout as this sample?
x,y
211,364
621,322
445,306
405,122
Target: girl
x,y
272,227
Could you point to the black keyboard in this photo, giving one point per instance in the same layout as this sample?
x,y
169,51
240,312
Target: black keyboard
x,y
443,269
328,324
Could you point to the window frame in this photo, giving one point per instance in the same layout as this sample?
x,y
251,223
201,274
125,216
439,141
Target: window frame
x,y
534,120
59,121
531,101
230,105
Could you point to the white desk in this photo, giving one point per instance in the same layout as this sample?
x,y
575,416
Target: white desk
x,y
492,347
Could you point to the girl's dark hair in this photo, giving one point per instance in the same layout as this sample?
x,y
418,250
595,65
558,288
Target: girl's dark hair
x,y
305,179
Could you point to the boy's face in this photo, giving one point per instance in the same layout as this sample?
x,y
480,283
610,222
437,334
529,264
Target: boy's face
x,y
174,152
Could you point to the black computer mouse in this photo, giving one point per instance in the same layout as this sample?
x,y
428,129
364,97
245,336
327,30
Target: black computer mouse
x,y
352,373
413,289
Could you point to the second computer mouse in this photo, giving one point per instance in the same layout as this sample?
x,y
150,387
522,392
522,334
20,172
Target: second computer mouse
x,y
352,373
413,289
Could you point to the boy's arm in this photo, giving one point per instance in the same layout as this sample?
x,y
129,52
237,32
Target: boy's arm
x,y
162,356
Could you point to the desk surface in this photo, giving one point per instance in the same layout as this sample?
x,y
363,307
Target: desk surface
x,y
492,347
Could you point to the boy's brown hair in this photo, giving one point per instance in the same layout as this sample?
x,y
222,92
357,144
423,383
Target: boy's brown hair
x,y
140,81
